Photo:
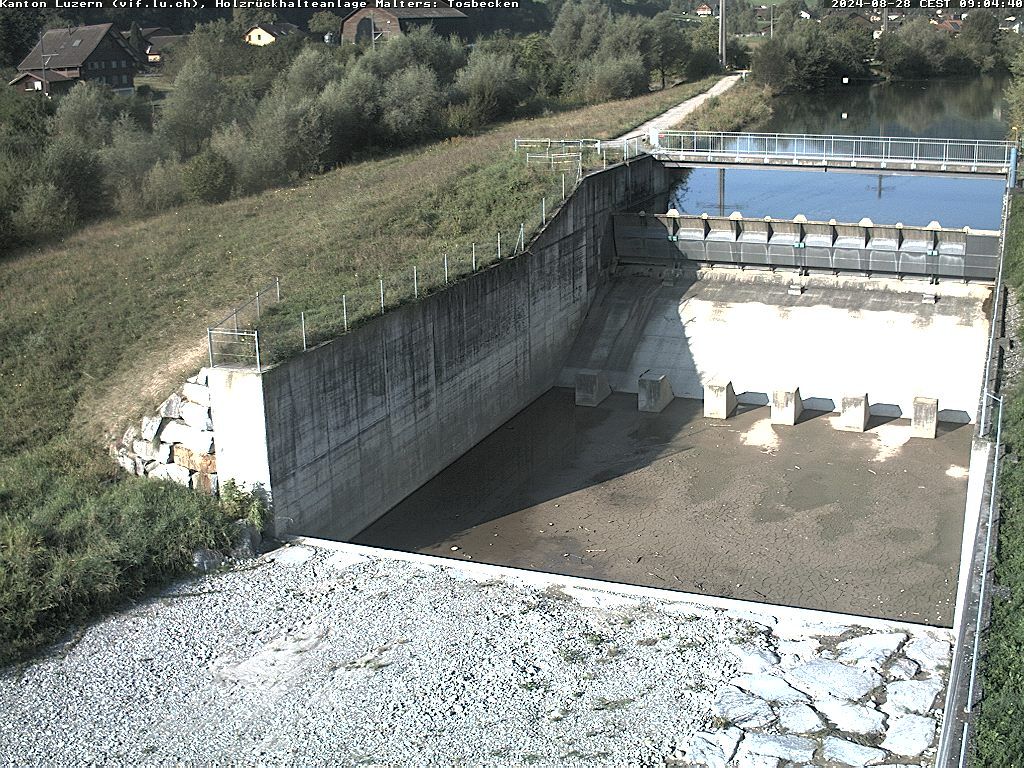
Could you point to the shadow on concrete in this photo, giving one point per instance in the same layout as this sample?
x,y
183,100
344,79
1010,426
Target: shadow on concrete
x,y
809,414
877,420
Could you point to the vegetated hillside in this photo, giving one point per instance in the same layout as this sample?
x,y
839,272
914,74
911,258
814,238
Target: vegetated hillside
x,y
99,328
999,742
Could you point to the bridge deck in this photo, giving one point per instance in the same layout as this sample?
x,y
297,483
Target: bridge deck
x,y
841,152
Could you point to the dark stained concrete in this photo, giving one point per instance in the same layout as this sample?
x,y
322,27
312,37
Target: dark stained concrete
x,y
807,516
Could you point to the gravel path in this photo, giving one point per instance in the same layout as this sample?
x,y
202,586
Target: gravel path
x,y
675,115
331,655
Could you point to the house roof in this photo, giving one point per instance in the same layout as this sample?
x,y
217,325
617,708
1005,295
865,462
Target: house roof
x,y
277,30
163,42
440,12
70,47
51,77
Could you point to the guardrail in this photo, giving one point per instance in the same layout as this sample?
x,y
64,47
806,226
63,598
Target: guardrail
x,y
235,340
591,152
975,155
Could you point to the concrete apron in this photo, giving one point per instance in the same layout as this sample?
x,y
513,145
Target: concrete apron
x,y
541,579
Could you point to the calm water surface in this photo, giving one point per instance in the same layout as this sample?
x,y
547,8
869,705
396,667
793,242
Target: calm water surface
x,y
970,108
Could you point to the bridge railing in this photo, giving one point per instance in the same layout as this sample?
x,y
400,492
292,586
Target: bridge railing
x,y
731,146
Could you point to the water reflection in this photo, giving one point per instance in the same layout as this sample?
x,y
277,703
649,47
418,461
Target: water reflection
x,y
912,200
971,108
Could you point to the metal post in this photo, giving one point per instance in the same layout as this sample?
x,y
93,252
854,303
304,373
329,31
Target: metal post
x,y
543,211
235,315
474,257
563,186
277,280
256,336
382,295
209,344
415,284
344,311
302,317
499,244
522,237
446,269
257,303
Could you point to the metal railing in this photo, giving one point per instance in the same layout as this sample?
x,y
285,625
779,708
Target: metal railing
x,y
765,147
592,153
235,340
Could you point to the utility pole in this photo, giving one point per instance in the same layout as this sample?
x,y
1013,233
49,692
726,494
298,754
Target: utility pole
x,y
721,32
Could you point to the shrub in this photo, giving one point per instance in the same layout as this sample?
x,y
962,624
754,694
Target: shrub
x,y
490,86
75,170
87,113
410,104
43,212
618,77
208,178
163,187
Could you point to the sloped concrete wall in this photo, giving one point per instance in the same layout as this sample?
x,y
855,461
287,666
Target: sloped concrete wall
x,y
355,425
840,336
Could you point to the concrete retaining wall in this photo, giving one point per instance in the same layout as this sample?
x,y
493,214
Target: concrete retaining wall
x,y
355,425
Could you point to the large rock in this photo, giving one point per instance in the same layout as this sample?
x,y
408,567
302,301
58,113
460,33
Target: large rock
x,y
207,482
126,461
171,407
197,462
201,378
770,688
151,450
150,427
196,416
909,735
871,651
206,560
928,652
822,678
794,749
130,436
862,719
847,753
196,393
743,709
198,441
174,473
799,718
713,750
247,543
917,696
754,660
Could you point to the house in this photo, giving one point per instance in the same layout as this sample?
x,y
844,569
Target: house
x,y
63,57
1011,24
705,10
157,46
952,26
265,34
385,23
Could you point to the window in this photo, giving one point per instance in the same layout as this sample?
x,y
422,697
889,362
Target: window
x,y
76,43
103,64
124,79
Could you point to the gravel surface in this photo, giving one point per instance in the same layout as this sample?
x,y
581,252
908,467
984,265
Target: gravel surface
x,y
320,655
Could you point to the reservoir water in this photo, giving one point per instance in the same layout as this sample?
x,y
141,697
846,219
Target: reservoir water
x,y
965,109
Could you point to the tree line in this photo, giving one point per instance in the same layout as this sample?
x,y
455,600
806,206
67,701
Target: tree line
x,y
806,55
240,118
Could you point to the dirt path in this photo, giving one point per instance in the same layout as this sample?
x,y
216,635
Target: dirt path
x,y
677,113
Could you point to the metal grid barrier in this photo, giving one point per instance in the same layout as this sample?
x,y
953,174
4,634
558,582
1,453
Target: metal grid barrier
x,y
710,145
235,340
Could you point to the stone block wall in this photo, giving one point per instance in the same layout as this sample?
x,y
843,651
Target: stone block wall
x,y
177,442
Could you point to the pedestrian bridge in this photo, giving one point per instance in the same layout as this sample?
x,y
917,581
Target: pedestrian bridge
x,y
826,152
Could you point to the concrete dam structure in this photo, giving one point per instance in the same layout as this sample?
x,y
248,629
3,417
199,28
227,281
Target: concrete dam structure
x,y
546,411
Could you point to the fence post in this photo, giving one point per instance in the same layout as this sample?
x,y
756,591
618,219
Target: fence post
x,y
543,211
522,237
499,244
563,186
344,311
382,295
235,315
257,303
209,344
277,280
446,269
474,257
259,366
415,283
302,317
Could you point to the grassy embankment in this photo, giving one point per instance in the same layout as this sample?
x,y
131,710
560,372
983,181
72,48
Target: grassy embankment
x,y
1000,735
745,106
96,330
